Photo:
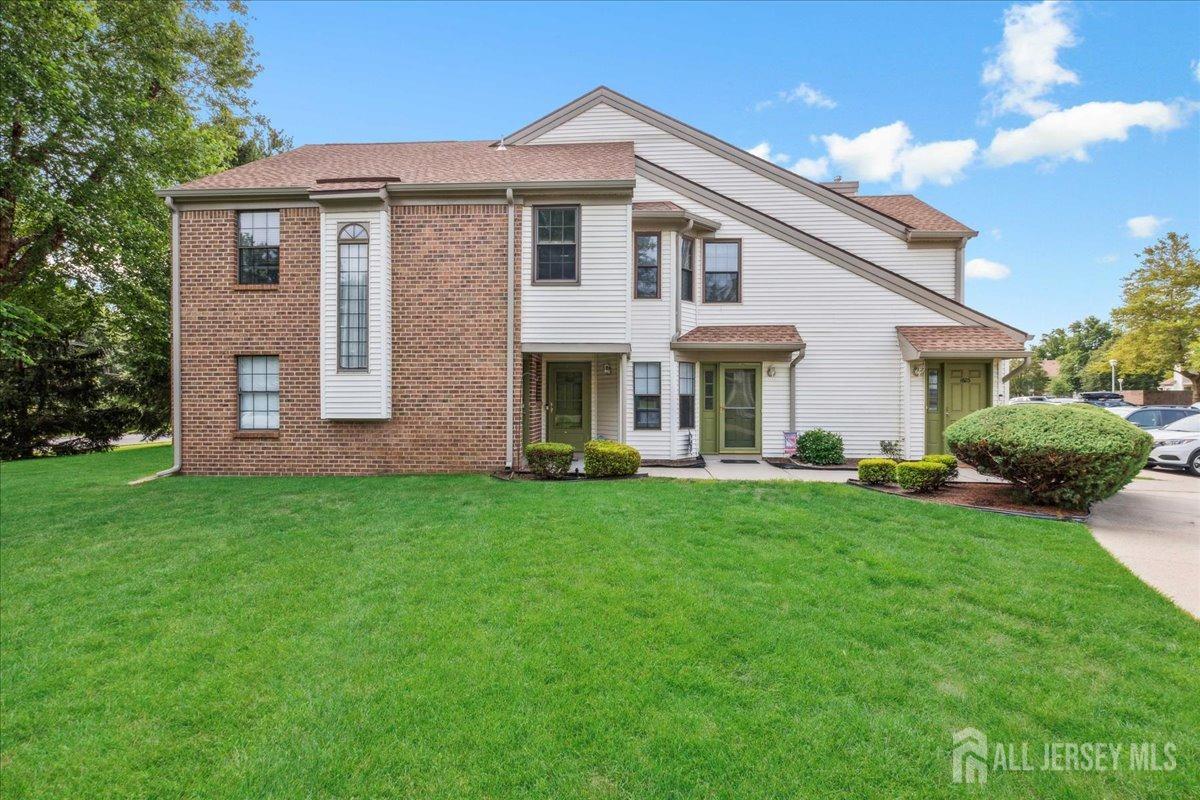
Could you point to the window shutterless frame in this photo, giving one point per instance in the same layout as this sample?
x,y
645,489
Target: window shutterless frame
x,y
258,393
687,395
687,269
647,395
353,297
257,240
535,239
709,262
639,266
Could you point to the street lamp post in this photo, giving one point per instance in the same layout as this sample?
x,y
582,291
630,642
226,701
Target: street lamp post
x,y
1112,362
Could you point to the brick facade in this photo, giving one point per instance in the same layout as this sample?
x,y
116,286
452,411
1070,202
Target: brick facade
x,y
449,268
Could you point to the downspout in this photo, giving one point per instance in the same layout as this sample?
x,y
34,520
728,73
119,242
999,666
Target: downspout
x,y
176,349
508,406
1012,373
792,390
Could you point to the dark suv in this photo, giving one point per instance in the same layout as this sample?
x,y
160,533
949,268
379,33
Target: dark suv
x,y
1157,416
1107,399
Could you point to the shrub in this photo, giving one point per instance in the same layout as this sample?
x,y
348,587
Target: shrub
x,y
602,459
890,449
819,447
921,476
549,459
944,458
877,470
1061,455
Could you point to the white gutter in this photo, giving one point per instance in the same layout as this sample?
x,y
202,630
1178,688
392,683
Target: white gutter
x,y
508,405
176,348
1027,360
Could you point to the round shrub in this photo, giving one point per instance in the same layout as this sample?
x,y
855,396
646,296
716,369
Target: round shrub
x,y
819,447
921,476
877,470
944,458
549,459
1061,455
603,459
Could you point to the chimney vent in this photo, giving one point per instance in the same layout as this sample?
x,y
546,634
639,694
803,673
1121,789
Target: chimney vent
x,y
848,188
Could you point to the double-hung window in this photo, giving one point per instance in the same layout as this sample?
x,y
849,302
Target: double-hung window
x,y
687,261
647,395
556,244
353,260
258,392
258,246
687,395
723,271
647,247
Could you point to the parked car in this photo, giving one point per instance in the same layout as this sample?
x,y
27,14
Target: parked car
x,y
1100,398
1149,417
1033,398
1177,446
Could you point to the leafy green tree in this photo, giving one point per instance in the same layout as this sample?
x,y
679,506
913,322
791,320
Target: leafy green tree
x,y
1159,319
1032,380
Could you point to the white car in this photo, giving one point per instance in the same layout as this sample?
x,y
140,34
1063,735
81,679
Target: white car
x,y
1177,445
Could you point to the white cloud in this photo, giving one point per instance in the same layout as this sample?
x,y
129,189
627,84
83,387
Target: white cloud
x,y
987,270
1145,226
803,93
938,162
1196,69
1025,67
1110,258
763,150
995,232
882,153
816,169
1067,134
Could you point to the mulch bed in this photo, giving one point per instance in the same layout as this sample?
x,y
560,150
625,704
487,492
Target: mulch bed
x,y
850,464
1001,498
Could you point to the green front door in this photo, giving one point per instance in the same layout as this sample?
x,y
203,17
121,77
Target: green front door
x,y
739,394
708,408
953,389
569,410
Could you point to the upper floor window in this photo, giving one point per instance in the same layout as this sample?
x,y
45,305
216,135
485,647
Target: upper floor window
x,y
352,296
258,392
723,271
556,244
647,247
258,246
687,261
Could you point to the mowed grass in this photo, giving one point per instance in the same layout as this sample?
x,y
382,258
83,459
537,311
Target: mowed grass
x,y
461,637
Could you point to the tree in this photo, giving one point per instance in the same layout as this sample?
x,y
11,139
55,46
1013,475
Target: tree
x,y
1074,347
1159,319
1032,380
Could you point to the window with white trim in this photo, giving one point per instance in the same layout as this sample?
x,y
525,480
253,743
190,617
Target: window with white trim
x,y
258,246
647,395
353,272
556,244
646,250
687,262
687,395
258,392
723,271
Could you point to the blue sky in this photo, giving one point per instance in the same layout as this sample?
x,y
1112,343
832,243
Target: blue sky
x,y
1052,199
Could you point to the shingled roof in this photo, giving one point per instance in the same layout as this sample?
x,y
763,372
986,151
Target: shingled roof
x,y
948,340
772,337
914,212
337,167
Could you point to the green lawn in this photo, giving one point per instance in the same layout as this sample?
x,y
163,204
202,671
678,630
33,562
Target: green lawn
x,y
459,637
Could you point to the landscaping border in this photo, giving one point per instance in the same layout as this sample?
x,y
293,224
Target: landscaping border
x,y
932,498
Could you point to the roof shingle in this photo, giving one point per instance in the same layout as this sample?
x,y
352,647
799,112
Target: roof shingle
x,y
334,167
958,338
914,212
742,334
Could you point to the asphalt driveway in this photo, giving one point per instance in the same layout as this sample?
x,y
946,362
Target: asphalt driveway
x,y
1150,526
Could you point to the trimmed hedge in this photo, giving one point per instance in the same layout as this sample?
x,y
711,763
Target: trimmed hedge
x,y
819,447
1062,455
877,470
921,476
603,459
549,459
950,461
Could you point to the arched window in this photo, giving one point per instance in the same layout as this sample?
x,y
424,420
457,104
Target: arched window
x,y
352,297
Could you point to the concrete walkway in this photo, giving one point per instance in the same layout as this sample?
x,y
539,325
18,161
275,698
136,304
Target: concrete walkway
x,y
1150,526
715,469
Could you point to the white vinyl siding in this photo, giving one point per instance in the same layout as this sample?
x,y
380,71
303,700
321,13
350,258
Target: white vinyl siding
x,y
606,405
595,310
849,379
359,394
934,268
